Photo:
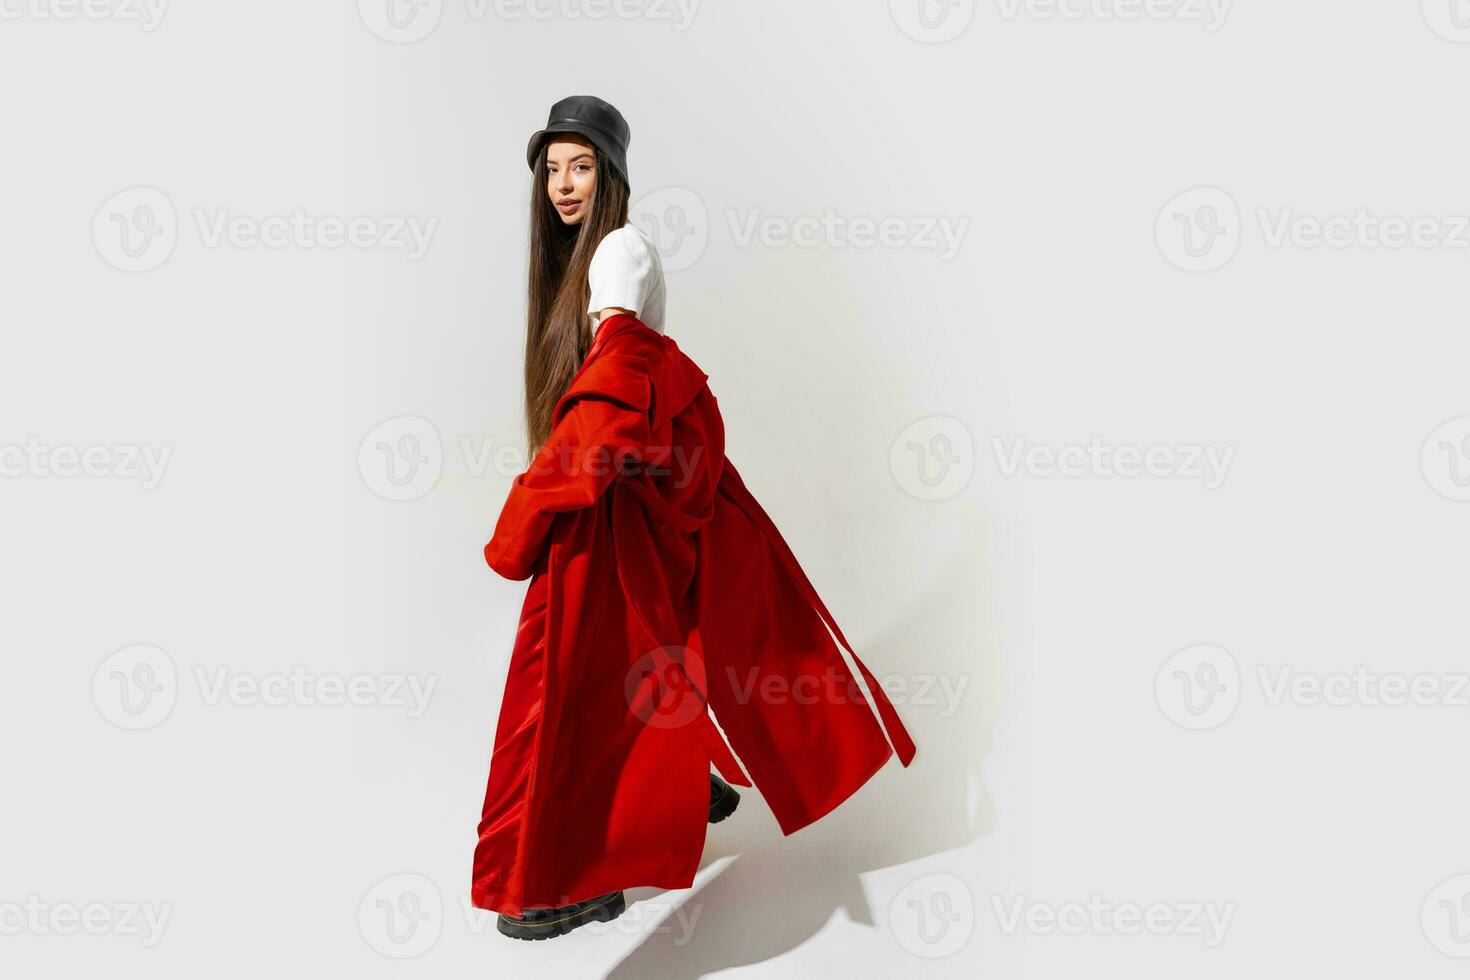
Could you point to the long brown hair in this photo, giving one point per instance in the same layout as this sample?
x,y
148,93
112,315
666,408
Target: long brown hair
x,y
558,329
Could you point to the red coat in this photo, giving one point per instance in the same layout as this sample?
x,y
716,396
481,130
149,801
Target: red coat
x,y
660,592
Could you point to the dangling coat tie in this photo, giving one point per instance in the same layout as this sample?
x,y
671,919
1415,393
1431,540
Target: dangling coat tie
x,y
662,601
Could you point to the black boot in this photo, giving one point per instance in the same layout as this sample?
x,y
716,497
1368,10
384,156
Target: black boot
x,y
722,799
546,923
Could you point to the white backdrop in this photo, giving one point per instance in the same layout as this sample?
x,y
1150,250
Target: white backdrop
x,y
1103,361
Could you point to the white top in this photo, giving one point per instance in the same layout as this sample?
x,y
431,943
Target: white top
x,y
626,272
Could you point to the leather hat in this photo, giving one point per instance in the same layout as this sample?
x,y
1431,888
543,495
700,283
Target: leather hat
x,y
593,118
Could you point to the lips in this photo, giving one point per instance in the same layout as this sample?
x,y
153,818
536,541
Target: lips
x,y
568,205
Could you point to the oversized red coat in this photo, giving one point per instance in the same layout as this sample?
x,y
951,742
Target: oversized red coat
x,y
660,593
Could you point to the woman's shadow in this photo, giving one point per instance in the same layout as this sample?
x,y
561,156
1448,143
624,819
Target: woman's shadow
x,y
776,892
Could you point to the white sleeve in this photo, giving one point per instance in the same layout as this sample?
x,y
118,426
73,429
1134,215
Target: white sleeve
x,y
621,272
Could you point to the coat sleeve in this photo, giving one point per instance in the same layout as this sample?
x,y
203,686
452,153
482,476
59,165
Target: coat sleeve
x,y
596,437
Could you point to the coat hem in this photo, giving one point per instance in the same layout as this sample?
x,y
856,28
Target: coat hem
x,y
788,829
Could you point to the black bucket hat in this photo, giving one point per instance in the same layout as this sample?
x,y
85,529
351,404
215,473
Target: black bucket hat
x,y
593,118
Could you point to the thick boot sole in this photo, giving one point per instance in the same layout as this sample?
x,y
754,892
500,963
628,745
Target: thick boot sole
x,y
561,925
724,804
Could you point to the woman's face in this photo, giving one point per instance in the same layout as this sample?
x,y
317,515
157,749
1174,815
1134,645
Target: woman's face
x,y
571,177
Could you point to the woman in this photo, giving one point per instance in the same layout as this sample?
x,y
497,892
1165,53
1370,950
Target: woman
x,y
660,595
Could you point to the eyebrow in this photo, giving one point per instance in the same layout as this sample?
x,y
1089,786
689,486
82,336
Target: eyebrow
x,y
579,156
